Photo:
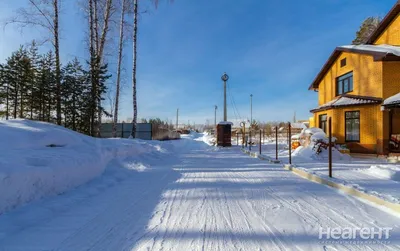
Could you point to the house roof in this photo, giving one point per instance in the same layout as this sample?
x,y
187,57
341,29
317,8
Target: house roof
x,y
382,50
298,125
393,100
348,100
379,52
386,21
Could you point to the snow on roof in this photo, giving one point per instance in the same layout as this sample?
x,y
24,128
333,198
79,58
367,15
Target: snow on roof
x,y
298,125
384,48
347,101
225,123
395,99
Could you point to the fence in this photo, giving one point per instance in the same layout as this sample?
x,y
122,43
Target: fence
x,y
143,130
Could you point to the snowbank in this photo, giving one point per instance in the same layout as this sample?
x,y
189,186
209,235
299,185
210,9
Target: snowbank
x,y
40,159
388,172
310,151
209,139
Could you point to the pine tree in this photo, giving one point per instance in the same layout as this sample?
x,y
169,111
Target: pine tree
x,y
73,94
46,87
17,76
366,29
33,88
3,91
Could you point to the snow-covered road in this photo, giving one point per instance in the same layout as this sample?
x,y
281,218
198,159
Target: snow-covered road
x,y
202,198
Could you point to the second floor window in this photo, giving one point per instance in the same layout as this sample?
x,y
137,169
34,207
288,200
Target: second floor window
x,y
344,84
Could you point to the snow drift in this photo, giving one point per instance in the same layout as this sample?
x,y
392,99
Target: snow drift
x,y
40,159
312,149
388,172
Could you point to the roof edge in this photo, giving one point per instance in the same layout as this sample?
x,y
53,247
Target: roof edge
x,y
386,21
335,54
376,100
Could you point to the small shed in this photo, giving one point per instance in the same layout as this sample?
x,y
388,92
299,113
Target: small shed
x,y
224,133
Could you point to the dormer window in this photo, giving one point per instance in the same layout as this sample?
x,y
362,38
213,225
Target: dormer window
x,y
344,84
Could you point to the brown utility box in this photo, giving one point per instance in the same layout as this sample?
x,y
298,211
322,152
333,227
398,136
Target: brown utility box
x,y
224,134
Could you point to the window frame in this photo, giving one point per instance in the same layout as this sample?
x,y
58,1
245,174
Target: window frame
x,y
326,121
359,126
342,81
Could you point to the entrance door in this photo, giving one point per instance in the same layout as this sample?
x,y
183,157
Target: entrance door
x,y
394,130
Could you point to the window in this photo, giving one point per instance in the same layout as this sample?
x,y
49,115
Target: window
x,y
344,84
323,122
352,126
343,62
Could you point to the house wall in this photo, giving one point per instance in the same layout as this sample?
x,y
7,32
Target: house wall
x,y
371,126
312,122
391,78
367,77
392,33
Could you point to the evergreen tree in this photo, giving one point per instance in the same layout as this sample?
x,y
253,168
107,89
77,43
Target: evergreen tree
x,y
366,29
34,99
3,91
73,94
17,76
28,89
45,92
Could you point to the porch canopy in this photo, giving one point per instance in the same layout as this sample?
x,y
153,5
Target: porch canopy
x,y
391,102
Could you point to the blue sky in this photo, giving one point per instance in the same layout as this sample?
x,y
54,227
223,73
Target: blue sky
x,y
272,49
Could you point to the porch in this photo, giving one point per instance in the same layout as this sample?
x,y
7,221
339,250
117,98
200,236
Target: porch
x,y
392,105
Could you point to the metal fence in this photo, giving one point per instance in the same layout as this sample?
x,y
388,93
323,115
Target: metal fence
x,y
143,130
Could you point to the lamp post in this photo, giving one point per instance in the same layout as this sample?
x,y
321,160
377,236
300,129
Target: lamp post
x,y
225,78
215,115
251,109
177,116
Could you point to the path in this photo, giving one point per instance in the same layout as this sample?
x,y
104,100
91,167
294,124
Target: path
x,y
208,199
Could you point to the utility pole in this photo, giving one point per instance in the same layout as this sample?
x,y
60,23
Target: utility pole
x,y
215,116
177,116
251,109
225,78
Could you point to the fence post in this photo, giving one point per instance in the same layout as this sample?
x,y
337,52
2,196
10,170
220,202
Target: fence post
x,y
330,146
237,139
260,141
290,143
122,132
276,142
250,140
244,135
263,136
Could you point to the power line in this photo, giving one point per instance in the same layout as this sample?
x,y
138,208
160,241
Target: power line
x,y
234,103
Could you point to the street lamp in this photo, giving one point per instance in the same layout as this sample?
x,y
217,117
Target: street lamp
x,y
225,78
215,115
251,109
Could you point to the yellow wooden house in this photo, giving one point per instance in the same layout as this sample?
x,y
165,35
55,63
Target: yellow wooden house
x,y
359,88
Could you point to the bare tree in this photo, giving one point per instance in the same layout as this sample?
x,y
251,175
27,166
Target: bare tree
x,y
100,53
135,22
44,14
97,43
134,69
93,59
120,49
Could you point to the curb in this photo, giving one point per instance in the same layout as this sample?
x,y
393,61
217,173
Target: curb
x,y
261,157
348,190
317,179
